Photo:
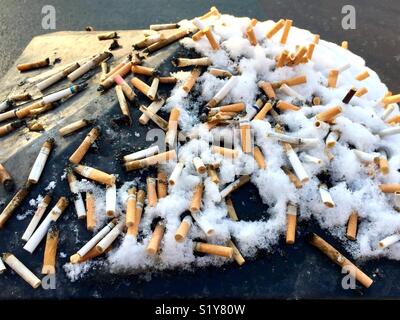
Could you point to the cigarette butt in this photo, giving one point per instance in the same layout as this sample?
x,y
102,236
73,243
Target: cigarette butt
x,y
40,161
104,70
316,38
267,88
130,207
191,80
310,50
363,75
126,89
164,26
183,229
162,184
134,229
234,186
198,35
110,237
291,222
21,270
146,71
339,259
383,164
212,12
153,108
6,179
155,241
175,173
2,266
210,37
332,78
225,152
150,161
217,250
351,233
93,253
246,137
95,174
286,29
259,157
50,252
388,241
326,196
345,45
107,36
220,73
6,129
236,253
316,101
282,59
391,99
78,201
21,97
109,81
291,82
41,208
111,200
73,127
292,177
199,165
151,192
123,104
185,62
33,65
329,114
231,209
195,203
360,92
284,106
83,148
140,85
390,187
152,93
149,40
331,139
180,33
24,111
212,173
87,66
277,26
349,96
90,211
251,36
301,52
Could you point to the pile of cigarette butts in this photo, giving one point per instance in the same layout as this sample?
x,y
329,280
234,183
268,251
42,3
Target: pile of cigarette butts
x,y
147,211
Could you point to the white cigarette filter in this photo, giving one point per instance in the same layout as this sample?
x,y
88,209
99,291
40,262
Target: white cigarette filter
x,y
21,270
388,111
78,201
388,241
234,185
389,131
142,153
310,159
221,94
2,266
297,166
176,173
199,165
293,140
204,224
291,92
331,139
110,237
92,242
41,231
326,196
111,200
40,162
366,157
36,217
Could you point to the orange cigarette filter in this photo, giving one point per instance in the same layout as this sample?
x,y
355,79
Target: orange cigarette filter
x,y
394,120
231,209
268,90
284,106
210,37
195,203
151,192
183,229
212,173
109,81
383,165
360,92
263,112
33,65
246,137
391,99
93,253
134,229
251,36
277,26
140,85
95,174
291,222
390,187
167,80
329,114
345,45
225,152
213,12
301,52
340,260
213,249
291,82
189,83
130,207
310,50
162,184
79,153
351,232
90,211
316,38
198,35
363,75
147,71
316,101
234,107
155,241
286,29
50,252
259,157
332,78
283,59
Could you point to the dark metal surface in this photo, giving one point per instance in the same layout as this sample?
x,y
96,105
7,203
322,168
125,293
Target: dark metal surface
x,y
298,271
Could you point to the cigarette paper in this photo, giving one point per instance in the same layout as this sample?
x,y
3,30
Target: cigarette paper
x,y
197,196
90,211
388,241
14,203
5,179
78,201
72,89
149,40
150,161
390,187
293,140
286,29
326,196
107,36
277,26
40,161
123,104
164,26
236,253
111,200
86,67
33,65
351,232
329,114
211,38
284,106
217,250
259,157
170,137
57,77
142,153
366,157
296,163
221,94
110,237
73,127
225,152
41,231
155,241
220,73
344,68
130,207
50,252
83,148
234,185
126,89
291,92
389,131
151,191
21,270
180,33
332,78
183,229
175,173
153,109
94,174
36,217
152,93
291,222
185,62
134,229
331,139
310,159
339,259
231,209
10,115
363,75
191,80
